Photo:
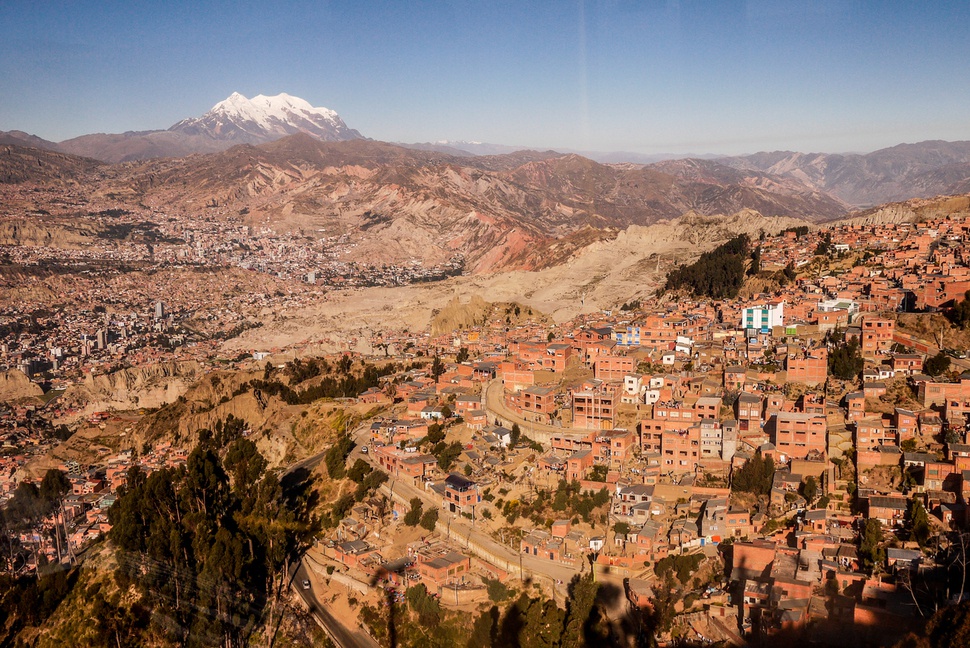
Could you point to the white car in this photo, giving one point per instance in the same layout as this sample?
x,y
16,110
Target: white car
x,y
306,584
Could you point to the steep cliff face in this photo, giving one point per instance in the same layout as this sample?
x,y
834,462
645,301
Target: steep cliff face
x,y
281,432
41,234
15,385
150,387
911,211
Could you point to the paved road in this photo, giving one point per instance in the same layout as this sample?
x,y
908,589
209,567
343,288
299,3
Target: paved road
x,y
494,403
956,364
311,462
337,631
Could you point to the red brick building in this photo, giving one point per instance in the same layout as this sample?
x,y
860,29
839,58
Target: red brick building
x,y
681,449
797,435
461,494
877,335
809,367
595,408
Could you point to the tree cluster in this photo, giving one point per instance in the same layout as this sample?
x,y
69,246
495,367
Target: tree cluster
x,y
515,434
718,274
335,457
948,628
346,385
917,521
26,510
871,551
788,274
436,434
938,364
368,481
571,499
845,360
437,367
529,622
755,266
682,566
799,231
299,370
207,545
413,516
446,454
825,245
755,476
810,489
29,601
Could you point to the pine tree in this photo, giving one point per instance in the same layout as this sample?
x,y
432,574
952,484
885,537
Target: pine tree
x,y
870,550
917,521
845,361
938,364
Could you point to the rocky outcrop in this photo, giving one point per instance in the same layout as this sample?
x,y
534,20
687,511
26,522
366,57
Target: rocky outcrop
x,y
150,387
911,211
15,385
459,315
34,234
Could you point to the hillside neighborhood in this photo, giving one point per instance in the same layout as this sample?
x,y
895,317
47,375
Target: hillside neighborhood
x,y
794,457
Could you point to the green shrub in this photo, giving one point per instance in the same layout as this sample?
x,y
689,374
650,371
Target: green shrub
x,y
429,519
413,517
497,591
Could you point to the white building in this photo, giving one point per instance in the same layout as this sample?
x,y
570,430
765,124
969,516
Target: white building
x,y
633,389
764,317
828,305
710,439
683,344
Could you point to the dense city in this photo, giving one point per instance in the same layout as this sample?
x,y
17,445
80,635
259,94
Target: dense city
x,y
796,457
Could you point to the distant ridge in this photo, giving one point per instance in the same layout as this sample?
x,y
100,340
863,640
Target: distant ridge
x,y
847,180
920,170
20,138
235,120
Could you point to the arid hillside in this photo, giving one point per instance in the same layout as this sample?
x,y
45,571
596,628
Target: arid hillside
x,y
396,205
603,275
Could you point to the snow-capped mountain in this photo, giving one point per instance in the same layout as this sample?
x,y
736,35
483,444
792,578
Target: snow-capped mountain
x,y
264,119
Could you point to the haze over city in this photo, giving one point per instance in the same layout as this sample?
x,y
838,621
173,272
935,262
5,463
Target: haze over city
x,y
655,77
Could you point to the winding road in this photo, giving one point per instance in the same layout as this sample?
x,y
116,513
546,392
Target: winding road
x,y
337,632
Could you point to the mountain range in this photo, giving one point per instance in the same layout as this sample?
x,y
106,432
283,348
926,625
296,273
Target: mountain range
x,y
281,162
920,170
521,210
923,169
235,120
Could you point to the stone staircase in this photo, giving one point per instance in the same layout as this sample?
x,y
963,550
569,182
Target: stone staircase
x,y
839,437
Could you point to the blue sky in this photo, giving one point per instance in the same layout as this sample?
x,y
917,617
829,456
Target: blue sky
x,y
618,75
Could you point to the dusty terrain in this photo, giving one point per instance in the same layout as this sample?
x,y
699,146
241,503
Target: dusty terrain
x,y
601,276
